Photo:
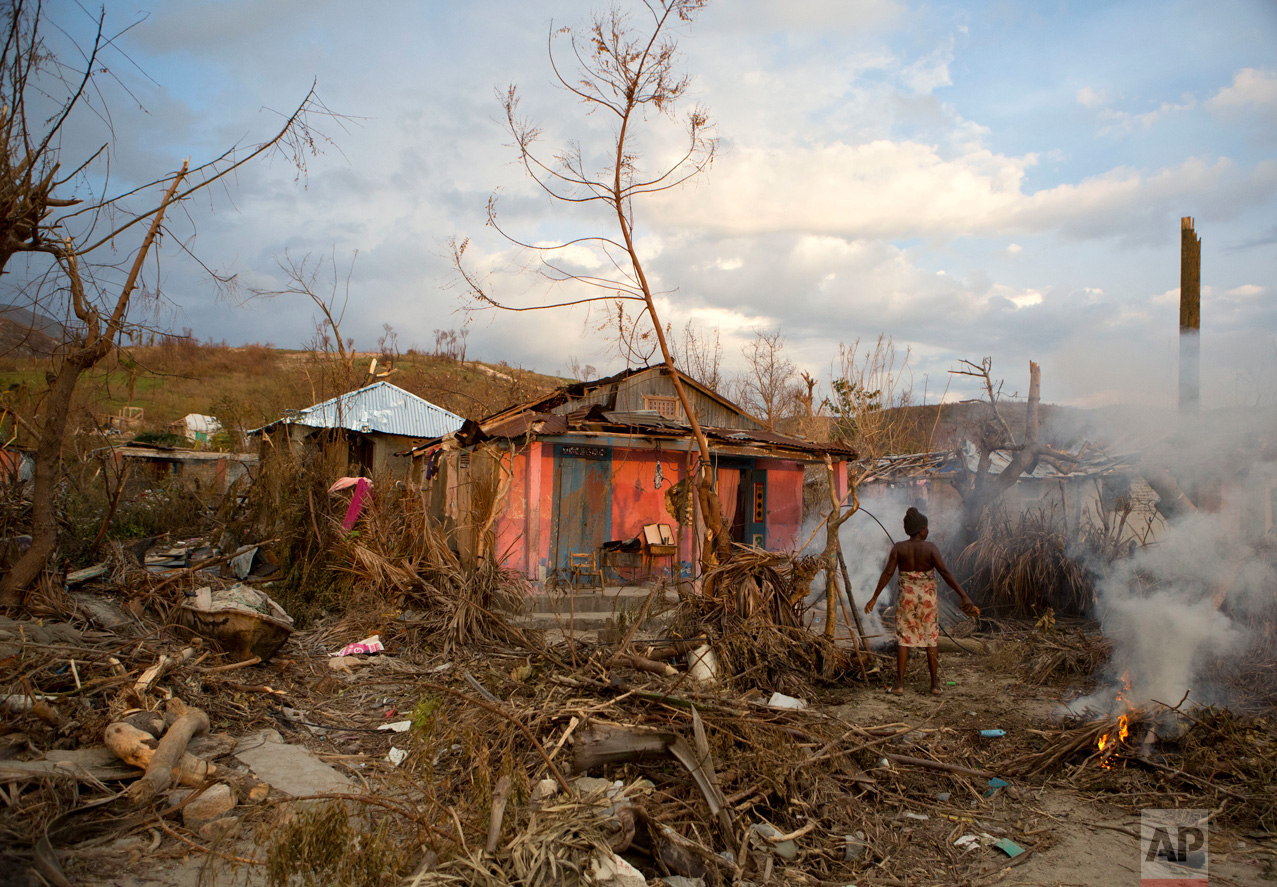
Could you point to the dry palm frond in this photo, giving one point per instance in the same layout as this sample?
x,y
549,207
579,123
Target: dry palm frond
x,y
1056,657
754,611
1026,565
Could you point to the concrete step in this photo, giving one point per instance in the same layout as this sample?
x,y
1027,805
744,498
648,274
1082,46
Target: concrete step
x,y
611,600
583,622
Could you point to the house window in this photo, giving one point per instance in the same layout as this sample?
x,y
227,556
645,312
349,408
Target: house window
x,y
667,407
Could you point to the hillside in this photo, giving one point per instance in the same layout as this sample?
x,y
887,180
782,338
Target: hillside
x,y
27,333
252,385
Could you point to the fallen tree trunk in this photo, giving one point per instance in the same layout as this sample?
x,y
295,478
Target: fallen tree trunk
x,y
168,754
138,748
936,765
600,744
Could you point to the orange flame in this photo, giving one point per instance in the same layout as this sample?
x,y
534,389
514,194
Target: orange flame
x,y
1107,744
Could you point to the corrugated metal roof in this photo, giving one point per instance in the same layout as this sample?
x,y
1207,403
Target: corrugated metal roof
x,y
380,407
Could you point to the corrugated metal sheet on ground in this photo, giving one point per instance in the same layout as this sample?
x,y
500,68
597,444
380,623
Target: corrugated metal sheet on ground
x,y
380,407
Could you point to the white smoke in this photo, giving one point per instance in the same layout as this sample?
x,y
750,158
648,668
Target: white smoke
x,y
1183,602
866,539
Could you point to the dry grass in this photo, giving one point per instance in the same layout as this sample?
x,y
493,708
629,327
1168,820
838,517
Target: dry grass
x,y
1055,657
1025,565
248,386
327,844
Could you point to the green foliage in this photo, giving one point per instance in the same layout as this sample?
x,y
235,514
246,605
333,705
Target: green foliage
x,y
849,404
169,508
423,715
161,439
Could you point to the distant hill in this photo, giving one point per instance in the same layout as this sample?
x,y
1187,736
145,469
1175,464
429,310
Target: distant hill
x,y
249,386
28,333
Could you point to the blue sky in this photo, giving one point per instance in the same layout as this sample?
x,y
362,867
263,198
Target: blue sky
x,y
971,179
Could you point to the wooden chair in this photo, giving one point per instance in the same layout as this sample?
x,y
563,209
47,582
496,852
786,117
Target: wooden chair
x,y
658,542
583,566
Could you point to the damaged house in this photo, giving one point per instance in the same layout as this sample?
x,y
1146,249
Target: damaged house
x,y
599,476
1097,487
376,423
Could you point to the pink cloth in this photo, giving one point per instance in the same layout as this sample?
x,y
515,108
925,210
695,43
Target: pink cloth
x,y
917,622
728,487
363,488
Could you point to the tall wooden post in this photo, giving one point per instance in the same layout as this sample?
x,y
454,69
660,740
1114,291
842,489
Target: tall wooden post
x,y
1190,316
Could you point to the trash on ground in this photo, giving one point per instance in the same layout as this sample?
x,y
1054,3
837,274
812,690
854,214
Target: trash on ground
x,y
368,646
780,700
240,620
1009,847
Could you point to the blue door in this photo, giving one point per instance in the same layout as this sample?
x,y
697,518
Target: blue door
x,y
582,501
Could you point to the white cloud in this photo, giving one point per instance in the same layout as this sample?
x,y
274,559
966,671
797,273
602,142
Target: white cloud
x,y
1246,290
1092,98
1251,89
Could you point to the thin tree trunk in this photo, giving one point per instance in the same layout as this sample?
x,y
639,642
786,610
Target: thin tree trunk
x,y
48,464
56,407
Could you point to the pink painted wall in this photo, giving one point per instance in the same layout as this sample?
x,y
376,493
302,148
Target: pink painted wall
x,y
784,503
635,499
524,527
545,513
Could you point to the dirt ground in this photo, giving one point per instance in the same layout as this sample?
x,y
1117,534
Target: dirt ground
x,y
1082,838
1079,824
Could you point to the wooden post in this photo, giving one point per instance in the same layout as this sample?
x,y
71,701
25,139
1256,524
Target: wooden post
x,y
1190,316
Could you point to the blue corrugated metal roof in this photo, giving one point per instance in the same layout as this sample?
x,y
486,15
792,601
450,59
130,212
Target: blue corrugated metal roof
x,y
380,407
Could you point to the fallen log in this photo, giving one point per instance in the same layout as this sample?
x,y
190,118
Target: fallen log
x,y
642,663
138,748
190,722
666,650
599,744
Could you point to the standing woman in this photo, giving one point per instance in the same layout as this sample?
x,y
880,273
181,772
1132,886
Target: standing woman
x,y
917,623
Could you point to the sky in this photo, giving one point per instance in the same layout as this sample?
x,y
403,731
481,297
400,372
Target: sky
x,y
974,179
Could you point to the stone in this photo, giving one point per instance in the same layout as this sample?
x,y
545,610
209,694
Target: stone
x,y
222,829
214,802
610,870
544,790
291,769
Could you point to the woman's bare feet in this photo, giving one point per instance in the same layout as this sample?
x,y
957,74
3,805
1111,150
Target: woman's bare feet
x,y
936,691
897,690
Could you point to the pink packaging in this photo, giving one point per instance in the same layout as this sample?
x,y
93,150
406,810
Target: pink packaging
x,y
367,646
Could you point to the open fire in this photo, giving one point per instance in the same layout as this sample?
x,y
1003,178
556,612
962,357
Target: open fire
x,y
1107,744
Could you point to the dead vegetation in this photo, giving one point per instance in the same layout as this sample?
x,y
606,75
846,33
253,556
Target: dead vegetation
x,y
1026,563
691,778
511,758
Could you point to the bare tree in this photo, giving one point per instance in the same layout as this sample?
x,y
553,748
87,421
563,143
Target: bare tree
x,y
767,387
70,239
627,73
337,366
700,356
871,397
981,488
872,390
